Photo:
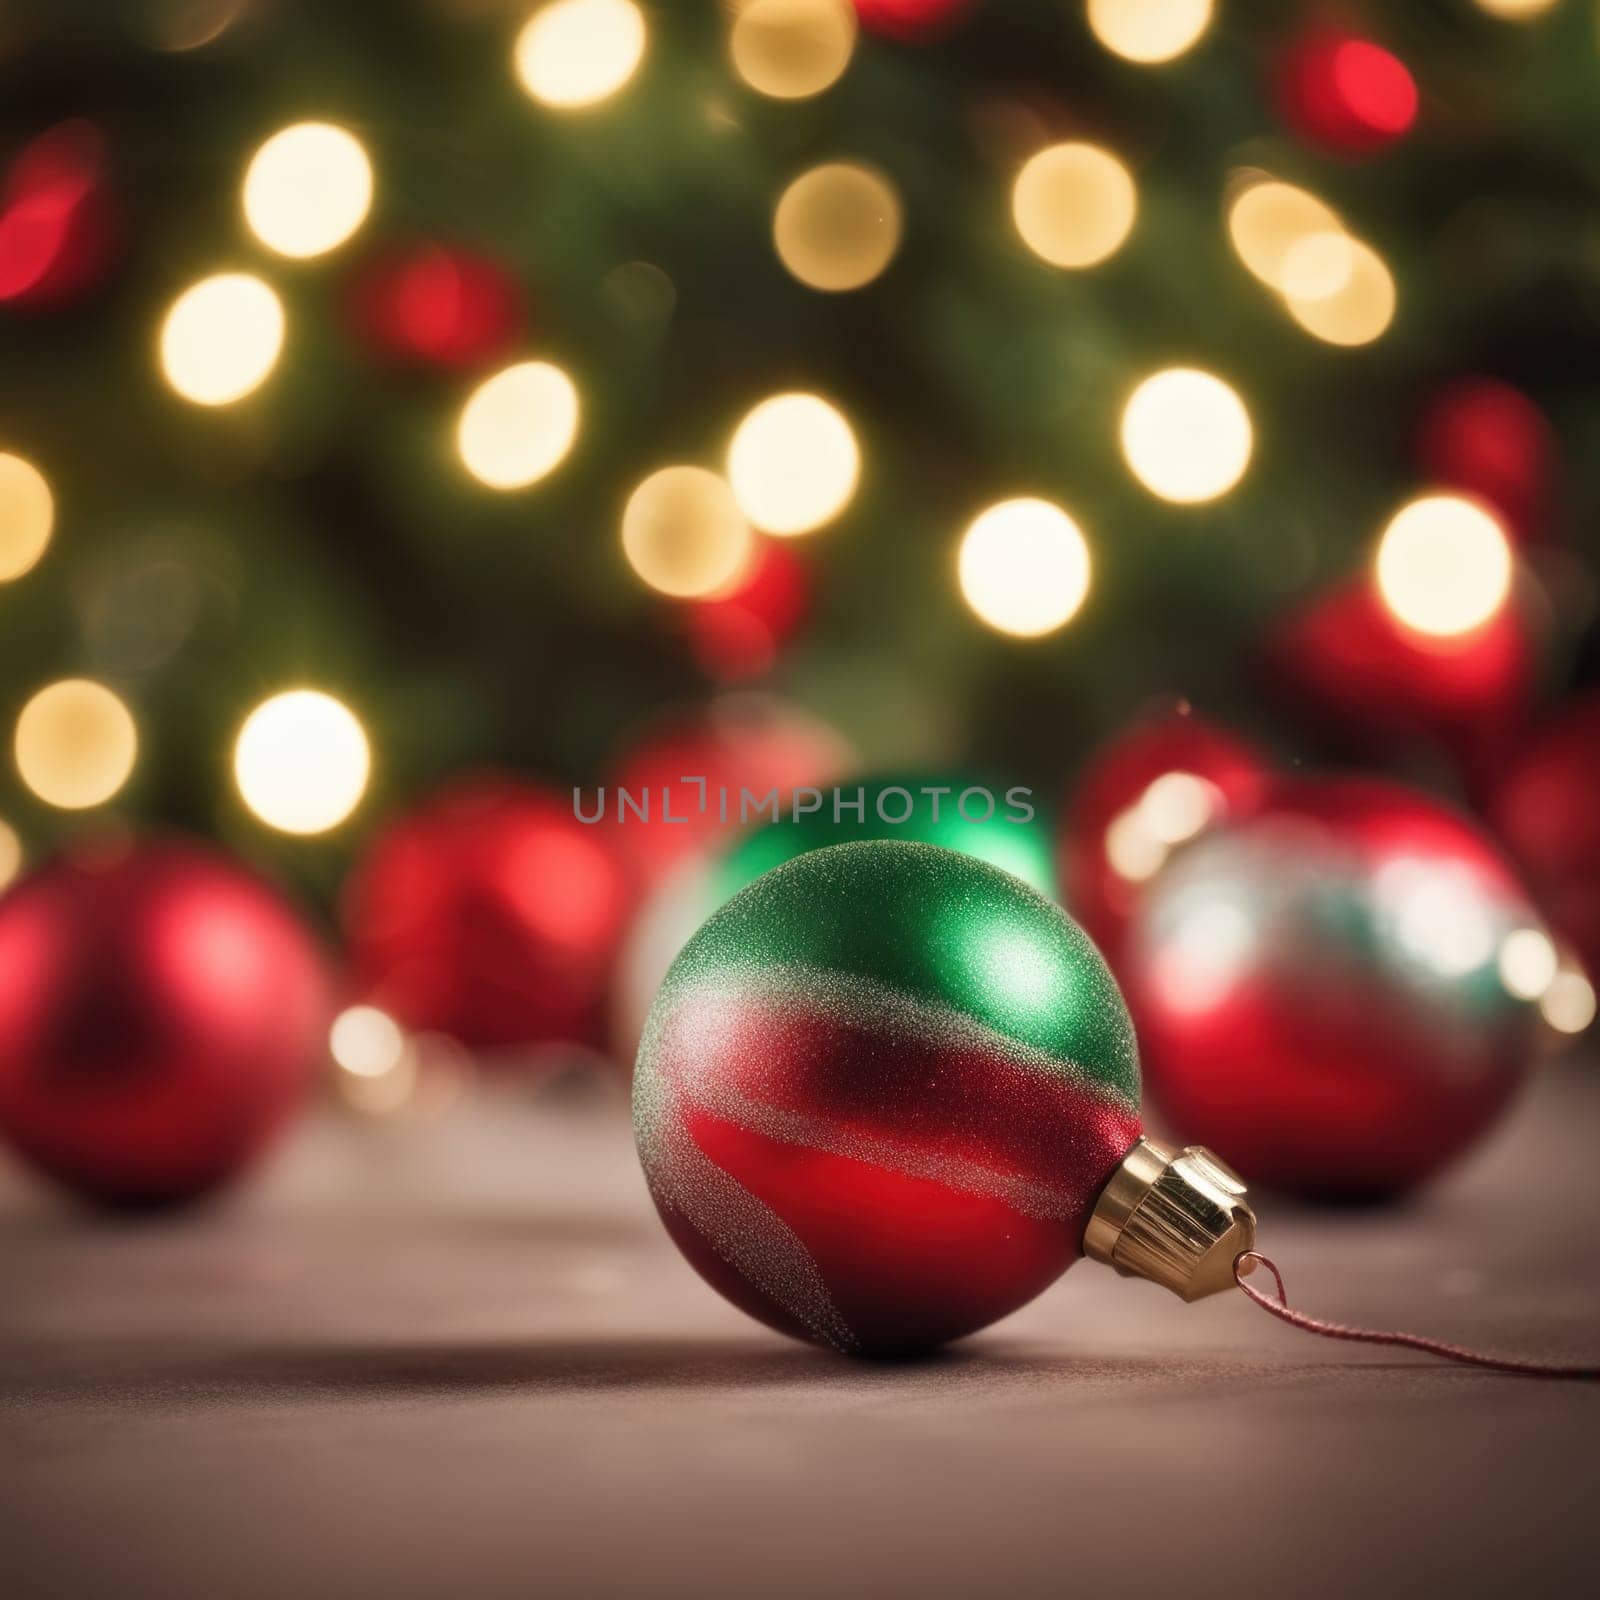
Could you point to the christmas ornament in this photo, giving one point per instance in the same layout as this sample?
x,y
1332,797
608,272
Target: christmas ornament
x,y
1543,808
58,219
437,305
738,634
488,913
162,1011
986,821
1328,991
1151,789
887,1095
1489,439
1344,95
1346,663
689,778
910,20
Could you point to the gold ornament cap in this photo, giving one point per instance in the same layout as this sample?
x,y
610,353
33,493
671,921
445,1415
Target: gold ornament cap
x,y
1176,1217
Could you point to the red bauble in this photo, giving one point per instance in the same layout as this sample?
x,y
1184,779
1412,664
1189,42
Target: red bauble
x,y
1491,440
436,305
1345,95
58,221
691,767
488,913
1150,789
910,20
162,1011
1318,989
1544,809
1350,665
738,634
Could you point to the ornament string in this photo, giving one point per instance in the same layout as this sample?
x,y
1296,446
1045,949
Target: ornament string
x,y
1284,1312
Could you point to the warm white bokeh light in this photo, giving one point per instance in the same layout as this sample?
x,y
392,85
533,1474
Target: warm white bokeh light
x,y
1318,266
302,762
1568,1005
1444,566
10,854
1186,435
307,189
1178,805
518,426
75,744
366,1042
1516,10
1268,219
1359,310
1174,808
575,53
222,338
1074,204
27,515
1528,963
792,49
1149,31
683,532
1132,850
793,464
837,226
1024,567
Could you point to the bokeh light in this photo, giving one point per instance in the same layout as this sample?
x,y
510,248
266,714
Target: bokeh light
x,y
1186,435
222,338
76,744
1568,1005
1175,807
366,1042
1528,963
1267,219
1354,313
576,53
838,226
302,762
1074,204
1374,88
793,464
518,426
27,515
1024,567
792,49
1515,10
10,854
683,532
1443,566
1149,31
1318,266
307,189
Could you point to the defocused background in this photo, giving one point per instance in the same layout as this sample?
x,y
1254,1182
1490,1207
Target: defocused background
x,y
415,411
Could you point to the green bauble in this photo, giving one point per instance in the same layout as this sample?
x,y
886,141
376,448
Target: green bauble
x,y
880,1092
973,819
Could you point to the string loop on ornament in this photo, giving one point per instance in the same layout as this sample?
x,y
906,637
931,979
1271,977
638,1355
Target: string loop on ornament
x,y
1280,1308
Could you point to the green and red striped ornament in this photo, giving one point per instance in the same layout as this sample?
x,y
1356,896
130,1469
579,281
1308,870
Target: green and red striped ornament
x,y
880,1092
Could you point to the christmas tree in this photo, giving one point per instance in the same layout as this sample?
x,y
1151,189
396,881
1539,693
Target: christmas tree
x,y
340,342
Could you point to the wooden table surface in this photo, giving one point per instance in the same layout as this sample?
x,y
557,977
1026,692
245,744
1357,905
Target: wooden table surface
x,y
462,1359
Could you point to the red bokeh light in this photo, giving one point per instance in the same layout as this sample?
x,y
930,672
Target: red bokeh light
x,y
57,220
1489,439
910,19
437,305
738,634
1345,95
